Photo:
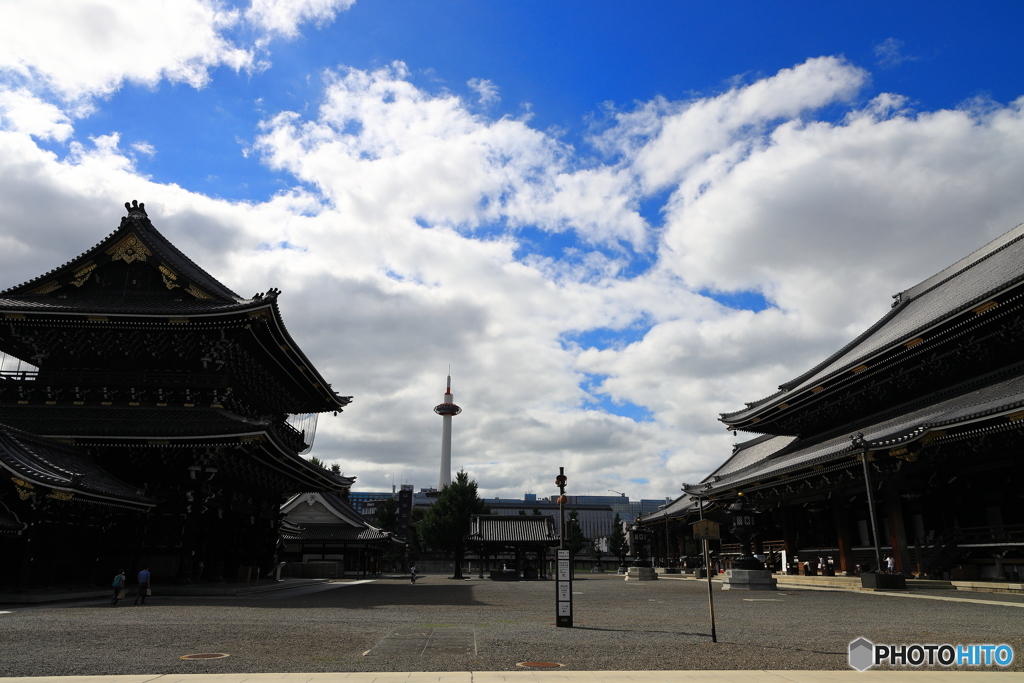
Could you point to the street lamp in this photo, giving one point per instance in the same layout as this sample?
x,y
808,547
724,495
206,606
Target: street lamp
x,y
743,527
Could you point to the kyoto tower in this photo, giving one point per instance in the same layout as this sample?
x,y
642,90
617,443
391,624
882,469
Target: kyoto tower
x,y
446,410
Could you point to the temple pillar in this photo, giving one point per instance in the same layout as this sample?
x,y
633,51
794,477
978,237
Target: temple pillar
x,y
788,535
843,540
897,527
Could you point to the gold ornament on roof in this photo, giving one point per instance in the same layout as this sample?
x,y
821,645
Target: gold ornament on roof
x,y
169,277
197,293
61,495
50,286
82,274
131,248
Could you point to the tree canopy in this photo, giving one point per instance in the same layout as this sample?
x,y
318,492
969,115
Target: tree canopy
x,y
617,539
385,516
574,537
447,522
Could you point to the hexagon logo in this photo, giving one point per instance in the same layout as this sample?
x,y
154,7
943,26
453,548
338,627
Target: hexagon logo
x,y
862,654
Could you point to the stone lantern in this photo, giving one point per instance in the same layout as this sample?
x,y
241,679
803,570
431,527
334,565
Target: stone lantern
x,y
744,526
747,572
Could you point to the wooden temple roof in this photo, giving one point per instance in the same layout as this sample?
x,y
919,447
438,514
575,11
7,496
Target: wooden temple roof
x,y
164,291
165,427
350,525
134,240
337,532
987,409
929,313
41,467
513,530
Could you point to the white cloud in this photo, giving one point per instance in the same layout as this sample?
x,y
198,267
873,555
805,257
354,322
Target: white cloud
x,y
85,48
144,148
283,17
486,91
22,111
386,150
890,53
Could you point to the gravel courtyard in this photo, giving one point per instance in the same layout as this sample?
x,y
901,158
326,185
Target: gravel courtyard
x,y
445,625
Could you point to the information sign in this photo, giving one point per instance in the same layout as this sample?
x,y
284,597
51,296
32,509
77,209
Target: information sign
x,y
706,528
564,589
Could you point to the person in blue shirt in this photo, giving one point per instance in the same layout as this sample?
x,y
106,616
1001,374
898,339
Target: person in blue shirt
x,y
118,587
144,577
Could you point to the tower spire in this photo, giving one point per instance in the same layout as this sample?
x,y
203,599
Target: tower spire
x,y
447,409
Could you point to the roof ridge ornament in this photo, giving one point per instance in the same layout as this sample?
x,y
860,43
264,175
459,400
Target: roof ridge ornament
x,y
136,209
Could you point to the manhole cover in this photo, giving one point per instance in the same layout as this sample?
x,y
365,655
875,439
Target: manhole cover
x,y
539,665
208,655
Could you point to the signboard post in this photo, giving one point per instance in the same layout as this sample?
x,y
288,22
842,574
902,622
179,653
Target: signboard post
x,y
563,582
704,530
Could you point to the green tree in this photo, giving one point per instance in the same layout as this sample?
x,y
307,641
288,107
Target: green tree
x,y
574,534
595,547
385,516
336,469
313,460
447,521
617,540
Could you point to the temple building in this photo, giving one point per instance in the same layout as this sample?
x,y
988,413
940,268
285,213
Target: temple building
x,y
327,538
932,395
153,417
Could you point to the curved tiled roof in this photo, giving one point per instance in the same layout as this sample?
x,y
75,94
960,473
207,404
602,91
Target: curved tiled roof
x,y
962,286
338,532
141,422
137,221
513,529
131,303
752,452
996,399
44,463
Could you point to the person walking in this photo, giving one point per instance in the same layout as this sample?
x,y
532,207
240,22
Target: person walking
x,y
890,564
118,587
144,583
412,573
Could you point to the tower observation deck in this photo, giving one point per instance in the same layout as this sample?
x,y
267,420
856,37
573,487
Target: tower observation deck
x,y
447,409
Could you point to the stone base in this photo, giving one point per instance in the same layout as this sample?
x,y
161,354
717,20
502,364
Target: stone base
x,y
641,574
881,582
749,580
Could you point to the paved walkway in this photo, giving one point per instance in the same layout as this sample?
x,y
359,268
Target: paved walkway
x,y
478,631
553,677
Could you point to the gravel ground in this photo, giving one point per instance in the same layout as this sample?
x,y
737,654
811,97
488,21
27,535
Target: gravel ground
x,y
619,626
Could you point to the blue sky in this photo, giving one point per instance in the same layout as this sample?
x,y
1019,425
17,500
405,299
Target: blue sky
x,y
565,63
614,221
